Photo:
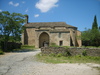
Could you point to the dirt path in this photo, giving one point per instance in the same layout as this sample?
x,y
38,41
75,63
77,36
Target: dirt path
x,y
24,63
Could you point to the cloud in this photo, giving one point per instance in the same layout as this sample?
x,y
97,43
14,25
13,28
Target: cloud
x,y
17,4
26,10
10,3
23,2
0,10
46,5
36,15
13,4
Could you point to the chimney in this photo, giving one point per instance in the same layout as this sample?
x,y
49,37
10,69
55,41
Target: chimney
x,y
26,19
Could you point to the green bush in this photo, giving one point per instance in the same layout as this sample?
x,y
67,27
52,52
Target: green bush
x,y
59,55
52,54
68,53
78,56
54,45
1,52
9,46
84,53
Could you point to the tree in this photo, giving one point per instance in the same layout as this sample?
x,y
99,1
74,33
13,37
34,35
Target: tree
x,y
11,26
86,37
95,24
91,37
95,40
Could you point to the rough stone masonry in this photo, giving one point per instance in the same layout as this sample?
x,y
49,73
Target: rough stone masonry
x,y
72,51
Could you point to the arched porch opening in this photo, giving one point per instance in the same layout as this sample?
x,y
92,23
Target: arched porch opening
x,y
43,39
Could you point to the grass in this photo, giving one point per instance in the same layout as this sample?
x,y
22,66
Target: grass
x,y
69,59
27,47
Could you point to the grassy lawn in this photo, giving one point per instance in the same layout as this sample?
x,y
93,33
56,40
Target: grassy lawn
x,y
69,59
27,47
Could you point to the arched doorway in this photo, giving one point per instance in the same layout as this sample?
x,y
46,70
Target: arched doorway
x,y
43,39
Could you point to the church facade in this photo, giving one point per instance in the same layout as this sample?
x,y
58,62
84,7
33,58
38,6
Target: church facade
x,y
42,34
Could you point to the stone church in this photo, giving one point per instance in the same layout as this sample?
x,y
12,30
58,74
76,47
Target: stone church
x,y
46,33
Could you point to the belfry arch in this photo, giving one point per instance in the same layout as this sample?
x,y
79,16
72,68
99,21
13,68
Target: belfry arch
x,y
43,39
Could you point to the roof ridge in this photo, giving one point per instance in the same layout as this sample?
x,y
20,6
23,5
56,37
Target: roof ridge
x,y
50,24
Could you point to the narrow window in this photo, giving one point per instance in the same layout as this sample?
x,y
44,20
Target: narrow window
x,y
60,43
59,35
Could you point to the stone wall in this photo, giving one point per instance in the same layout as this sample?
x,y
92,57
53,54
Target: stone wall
x,y
72,51
55,50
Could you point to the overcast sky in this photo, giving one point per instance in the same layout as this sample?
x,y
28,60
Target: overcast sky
x,y
78,13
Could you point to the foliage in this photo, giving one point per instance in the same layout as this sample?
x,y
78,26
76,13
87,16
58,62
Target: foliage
x,y
59,55
1,52
84,53
11,27
27,47
53,45
69,59
52,54
91,37
95,24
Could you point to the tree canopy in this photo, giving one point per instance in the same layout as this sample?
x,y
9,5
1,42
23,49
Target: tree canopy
x,y
95,24
11,26
91,37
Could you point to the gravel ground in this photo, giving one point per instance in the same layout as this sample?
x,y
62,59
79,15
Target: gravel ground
x,y
24,63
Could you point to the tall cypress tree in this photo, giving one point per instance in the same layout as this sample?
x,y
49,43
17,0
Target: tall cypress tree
x,y
95,34
95,25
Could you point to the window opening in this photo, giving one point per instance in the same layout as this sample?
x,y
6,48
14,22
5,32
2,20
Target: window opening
x,y
59,35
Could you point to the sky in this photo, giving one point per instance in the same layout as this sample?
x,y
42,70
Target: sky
x,y
78,13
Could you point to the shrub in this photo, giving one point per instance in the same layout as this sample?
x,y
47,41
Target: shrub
x,y
59,55
67,53
10,46
78,56
84,53
54,45
52,54
1,52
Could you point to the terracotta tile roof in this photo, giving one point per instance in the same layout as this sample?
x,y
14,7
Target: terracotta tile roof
x,y
48,24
